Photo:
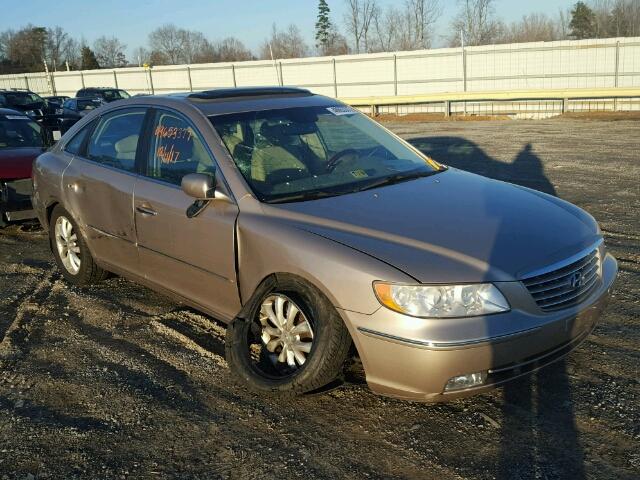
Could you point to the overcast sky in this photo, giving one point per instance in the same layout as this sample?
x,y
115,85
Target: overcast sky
x,y
249,20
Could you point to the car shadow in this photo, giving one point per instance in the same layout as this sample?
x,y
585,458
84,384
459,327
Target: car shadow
x,y
538,433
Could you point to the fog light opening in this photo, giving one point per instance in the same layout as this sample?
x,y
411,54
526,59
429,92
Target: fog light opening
x,y
466,381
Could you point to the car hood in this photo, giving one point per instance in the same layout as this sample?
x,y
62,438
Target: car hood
x,y
451,227
16,163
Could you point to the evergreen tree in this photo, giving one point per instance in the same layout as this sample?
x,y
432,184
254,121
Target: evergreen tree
x,y
583,22
323,27
88,59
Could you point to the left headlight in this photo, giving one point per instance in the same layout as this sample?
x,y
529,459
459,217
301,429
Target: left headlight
x,y
441,301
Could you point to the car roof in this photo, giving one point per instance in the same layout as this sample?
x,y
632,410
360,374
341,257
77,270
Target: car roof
x,y
10,111
15,90
234,100
100,88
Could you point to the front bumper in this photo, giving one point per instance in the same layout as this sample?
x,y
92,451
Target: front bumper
x,y
15,200
413,359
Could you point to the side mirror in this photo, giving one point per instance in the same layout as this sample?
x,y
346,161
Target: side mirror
x,y
199,186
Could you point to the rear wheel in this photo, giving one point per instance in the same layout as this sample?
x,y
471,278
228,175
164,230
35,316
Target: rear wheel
x,y
292,342
70,250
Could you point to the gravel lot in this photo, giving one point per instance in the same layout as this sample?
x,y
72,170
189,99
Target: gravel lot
x,y
118,382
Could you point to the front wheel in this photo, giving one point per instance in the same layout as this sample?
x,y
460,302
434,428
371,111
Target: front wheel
x,y
292,342
70,250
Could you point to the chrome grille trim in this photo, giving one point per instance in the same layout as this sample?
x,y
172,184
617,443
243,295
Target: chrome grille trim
x,y
553,290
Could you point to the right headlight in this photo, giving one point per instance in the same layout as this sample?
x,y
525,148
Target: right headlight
x,y
441,301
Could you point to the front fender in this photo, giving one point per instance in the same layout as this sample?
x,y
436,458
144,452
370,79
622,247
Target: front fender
x,y
268,245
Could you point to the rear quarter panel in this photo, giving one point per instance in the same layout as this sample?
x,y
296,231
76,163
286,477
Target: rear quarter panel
x,y
48,170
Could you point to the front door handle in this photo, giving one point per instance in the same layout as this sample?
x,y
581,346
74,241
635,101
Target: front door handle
x,y
148,211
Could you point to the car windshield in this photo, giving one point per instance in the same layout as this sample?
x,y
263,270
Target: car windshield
x,y
22,98
18,131
111,95
302,153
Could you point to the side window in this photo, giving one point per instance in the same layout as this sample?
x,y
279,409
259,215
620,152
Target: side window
x,y
67,104
115,140
176,149
74,145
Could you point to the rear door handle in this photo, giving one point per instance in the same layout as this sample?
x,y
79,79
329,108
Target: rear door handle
x,y
147,211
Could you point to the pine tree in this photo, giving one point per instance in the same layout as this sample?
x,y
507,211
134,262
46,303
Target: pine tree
x,y
323,27
583,21
88,60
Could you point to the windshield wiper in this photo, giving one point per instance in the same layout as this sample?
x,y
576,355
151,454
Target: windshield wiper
x,y
302,196
397,178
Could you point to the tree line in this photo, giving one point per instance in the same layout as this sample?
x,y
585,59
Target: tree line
x,y
366,27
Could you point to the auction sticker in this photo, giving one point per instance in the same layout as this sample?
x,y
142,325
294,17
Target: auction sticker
x,y
341,110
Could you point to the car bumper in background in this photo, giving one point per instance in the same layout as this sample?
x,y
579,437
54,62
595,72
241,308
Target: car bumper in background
x,y
15,200
414,359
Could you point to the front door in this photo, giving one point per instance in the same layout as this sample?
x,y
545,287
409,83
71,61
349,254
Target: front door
x,y
99,185
193,257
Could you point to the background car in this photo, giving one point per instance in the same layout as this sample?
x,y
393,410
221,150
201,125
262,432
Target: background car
x,y
21,141
74,109
56,101
105,93
30,104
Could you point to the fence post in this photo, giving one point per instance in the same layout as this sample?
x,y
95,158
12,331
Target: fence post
x,y
447,108
335,79
153,91
395,74
233,74
53,83
281,77
115,79
189,77
82,78
26,82
617,75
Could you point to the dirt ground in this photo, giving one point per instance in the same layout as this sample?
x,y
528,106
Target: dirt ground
x,y
118,382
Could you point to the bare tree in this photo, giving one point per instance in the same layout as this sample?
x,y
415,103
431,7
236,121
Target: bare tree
x,y
231,49
423,15
358,20
562,24
408,28
534,27
110,52
141,56
166,44
195,47
284,44
477,21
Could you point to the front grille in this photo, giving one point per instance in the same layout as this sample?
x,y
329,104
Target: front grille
x,y
565,286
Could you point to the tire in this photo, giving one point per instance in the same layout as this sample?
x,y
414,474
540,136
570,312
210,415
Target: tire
x,y
264,372
87,272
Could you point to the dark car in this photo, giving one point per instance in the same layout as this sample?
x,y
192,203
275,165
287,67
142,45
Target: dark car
x,y
105,93
314,232
30,104
56,101
74,109
21,141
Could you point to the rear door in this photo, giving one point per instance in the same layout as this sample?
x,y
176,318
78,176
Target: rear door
x,y
99,186
193,257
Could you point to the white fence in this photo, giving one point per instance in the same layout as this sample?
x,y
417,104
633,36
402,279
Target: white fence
x,y
541,65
